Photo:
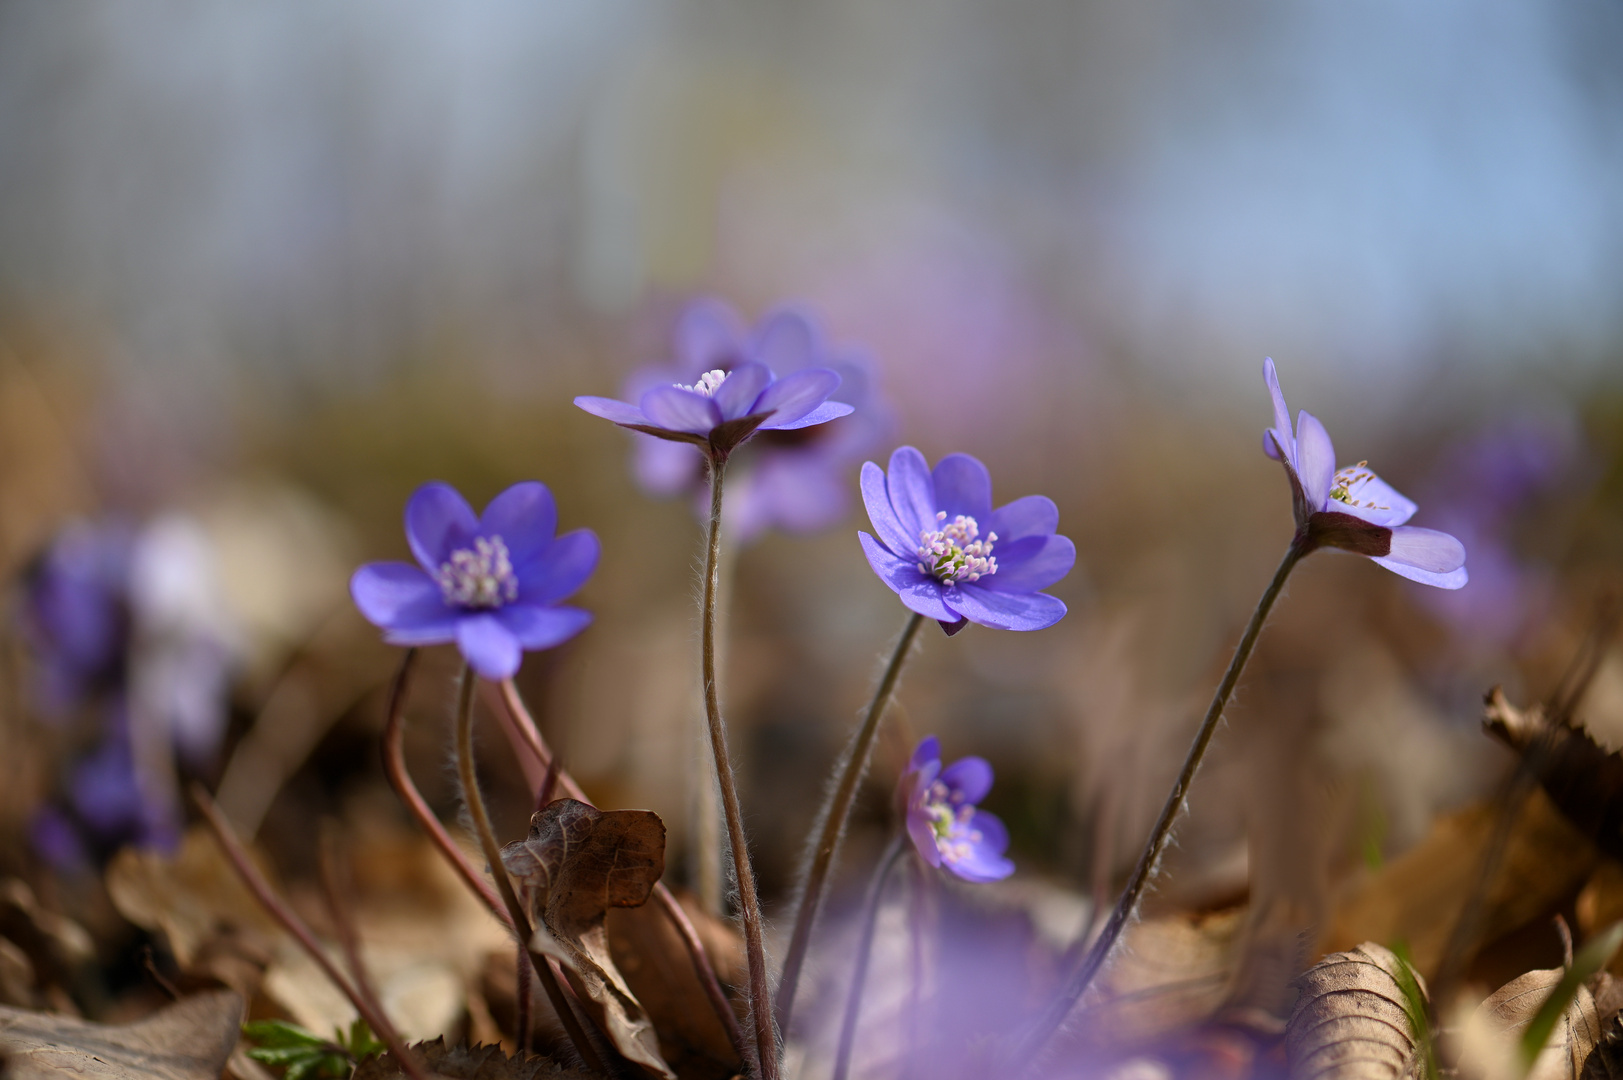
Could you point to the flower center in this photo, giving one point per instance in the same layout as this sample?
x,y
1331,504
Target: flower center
x,y
950,819
1349,482
479,577
956,553
707,384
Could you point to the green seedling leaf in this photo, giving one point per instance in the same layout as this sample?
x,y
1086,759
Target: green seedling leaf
x,y
1596,954
277,1033
360,1042
1414,1007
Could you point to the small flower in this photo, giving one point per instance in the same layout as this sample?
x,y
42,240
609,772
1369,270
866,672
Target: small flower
x,y
491,584
950,556
796,480
943,821
1352,508
728,400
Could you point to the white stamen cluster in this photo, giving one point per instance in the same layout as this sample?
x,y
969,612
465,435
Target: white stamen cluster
x,y
1349,482
956,553
479,577
950,819
707,384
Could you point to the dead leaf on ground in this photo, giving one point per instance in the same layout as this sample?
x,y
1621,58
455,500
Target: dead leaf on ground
x,y
578,862
1417,898
1173,971
190,1040
471,1063
1489,1045
1351,1021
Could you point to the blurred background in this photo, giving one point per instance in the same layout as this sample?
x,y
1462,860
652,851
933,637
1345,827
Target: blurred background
x,y
264,269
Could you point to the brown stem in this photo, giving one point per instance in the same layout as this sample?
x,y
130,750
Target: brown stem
x,y
531,738
504,885
282,913
852,766
521,1001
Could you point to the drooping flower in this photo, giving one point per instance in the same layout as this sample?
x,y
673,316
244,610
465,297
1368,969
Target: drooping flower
x,y
950,556
944,823
728,401
492,583
796,480
1352,508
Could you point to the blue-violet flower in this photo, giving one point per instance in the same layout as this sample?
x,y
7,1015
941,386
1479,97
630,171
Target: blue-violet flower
x,y
727,403
797,480
490,583
1352,508
943,820
950,556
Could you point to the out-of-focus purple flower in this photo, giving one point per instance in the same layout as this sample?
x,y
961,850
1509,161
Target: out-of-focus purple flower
x,y
492,583
797,479
943,821
734,392
932,551
1352,508
77,618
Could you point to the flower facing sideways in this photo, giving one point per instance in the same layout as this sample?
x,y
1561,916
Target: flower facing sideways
x,y
950,557
1352,508
942,820
491,583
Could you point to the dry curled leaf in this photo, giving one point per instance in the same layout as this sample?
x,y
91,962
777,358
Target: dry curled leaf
x,y
190,1040
1351,1021
1489,1045
469,1063
578,862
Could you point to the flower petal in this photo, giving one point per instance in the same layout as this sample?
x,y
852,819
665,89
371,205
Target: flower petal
x,y
438,520
1005,611
1282,417
986,861
709,336
737,393
912,491
560,569
876,497
1426,549
793,396
680,410
1377,502
828,410
1315,460
970,777
666,468
797,493
395,593
525,517
929,749
618,412
538,627
1033,515
1454,579
488,646
1031,564
963,486
786,340
918,593
923,836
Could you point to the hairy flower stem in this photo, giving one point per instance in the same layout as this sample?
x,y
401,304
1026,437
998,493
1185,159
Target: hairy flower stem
x,y
1149,860
832,826
749,904
504,885
859,974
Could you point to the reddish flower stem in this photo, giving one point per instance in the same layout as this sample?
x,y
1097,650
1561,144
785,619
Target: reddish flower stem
x,y
531,738
364,1004
1149,860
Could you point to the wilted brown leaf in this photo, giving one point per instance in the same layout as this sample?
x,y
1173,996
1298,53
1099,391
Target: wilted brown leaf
x,y
1351,1020
1174,971
470,1063
1490,1042
577,863
189,1040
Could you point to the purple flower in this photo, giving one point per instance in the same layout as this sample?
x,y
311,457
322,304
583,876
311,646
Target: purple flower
x,y
733,394
491,584
1352,508
943,821
77,615
932,551
797,480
